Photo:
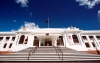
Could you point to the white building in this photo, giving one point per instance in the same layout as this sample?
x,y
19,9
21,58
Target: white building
x,y
71,37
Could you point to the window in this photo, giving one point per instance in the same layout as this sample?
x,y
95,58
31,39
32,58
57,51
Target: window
x,y
87,45
13,38
10,45
5,45
75,39
84,37
25,42
91,37
1,38
7,38
93,44
21,39
35,38
98,37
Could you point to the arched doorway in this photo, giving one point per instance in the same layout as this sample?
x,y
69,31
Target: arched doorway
x,y
60,41
36,41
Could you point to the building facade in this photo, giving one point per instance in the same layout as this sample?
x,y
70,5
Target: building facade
x,y
71,37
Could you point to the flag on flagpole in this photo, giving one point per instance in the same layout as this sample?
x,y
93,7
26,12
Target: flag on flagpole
x,y
47,21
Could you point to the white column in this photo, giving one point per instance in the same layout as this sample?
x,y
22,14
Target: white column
x,y
64,40
2,43
96,41
80,39
91,46
31,40
55,43
39,42
15,41
8,43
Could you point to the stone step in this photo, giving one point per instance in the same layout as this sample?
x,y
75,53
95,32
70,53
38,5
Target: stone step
x,y
48,59
48,56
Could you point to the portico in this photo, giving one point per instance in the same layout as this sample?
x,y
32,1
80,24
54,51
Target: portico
x,y
51,40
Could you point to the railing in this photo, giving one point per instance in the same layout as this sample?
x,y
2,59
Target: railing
x,y
58,50
32,51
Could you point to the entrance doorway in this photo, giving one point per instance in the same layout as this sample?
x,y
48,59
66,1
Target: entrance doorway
x,y
48,43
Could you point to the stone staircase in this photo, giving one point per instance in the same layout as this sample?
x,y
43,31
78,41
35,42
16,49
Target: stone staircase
x,y
49,54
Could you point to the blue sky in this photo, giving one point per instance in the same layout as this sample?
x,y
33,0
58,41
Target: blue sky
x,y
83,14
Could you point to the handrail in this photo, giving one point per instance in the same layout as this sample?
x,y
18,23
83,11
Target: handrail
x,y
60,52
32,51
57,51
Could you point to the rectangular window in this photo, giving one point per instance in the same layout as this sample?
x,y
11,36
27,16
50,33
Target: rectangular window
x,y
98,37
93,44
7,38
91,37
10,45
87,45
1,38
84,37
13,38
5,45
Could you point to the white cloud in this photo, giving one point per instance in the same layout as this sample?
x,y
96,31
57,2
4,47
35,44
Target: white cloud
x,y
13,30
88,3
98,15
22,2
27,25
14,20
30,25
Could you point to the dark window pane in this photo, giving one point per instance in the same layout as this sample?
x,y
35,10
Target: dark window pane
x,y
5,45
13,38
93,44
10,45
75,39
87,45
21,39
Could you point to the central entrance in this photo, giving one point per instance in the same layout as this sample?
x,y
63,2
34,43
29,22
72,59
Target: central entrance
x,y
48,42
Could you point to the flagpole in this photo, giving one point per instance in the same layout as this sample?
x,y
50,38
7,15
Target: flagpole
x,y
48,22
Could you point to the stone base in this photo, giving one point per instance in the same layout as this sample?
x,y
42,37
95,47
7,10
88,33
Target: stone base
x,y
97,61
5,52
93,51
